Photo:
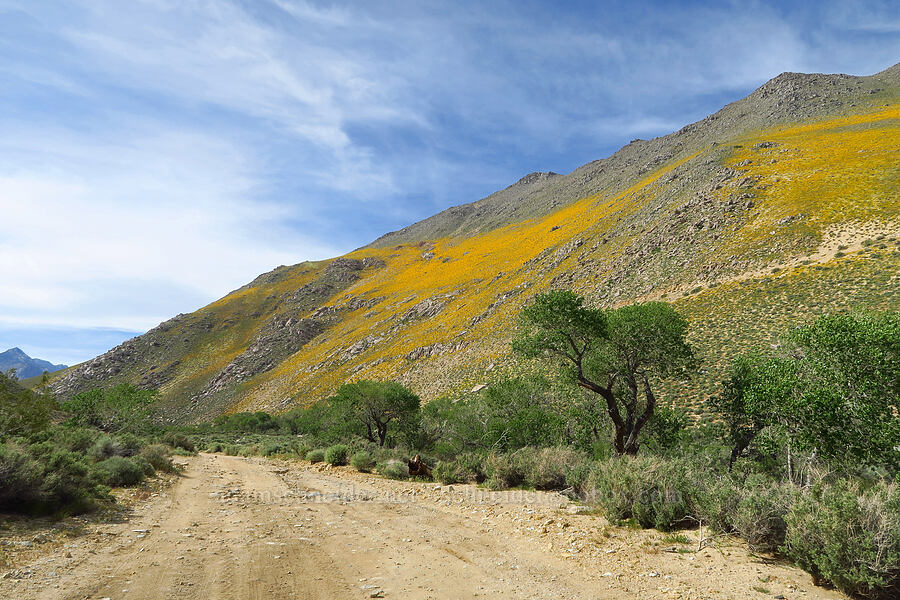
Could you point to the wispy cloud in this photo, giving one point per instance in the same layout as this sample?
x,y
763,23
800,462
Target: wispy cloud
x,y
98,234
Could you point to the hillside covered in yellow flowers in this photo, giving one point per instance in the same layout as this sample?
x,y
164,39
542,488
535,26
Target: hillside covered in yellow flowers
x,y
779,207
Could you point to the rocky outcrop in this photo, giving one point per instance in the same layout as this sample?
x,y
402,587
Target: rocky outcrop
x,y
287,332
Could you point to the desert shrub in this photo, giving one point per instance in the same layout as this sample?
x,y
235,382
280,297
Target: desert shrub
x,y
655,492
22,411
129,444
269,448
182,452
67,483
578,477
75,439
104,447
245,422
546,468
20,478
158,456
362,461
502,472
118,408
465,468
848,536
145,465
393,469
315,456
337,455
232,450
179,440
119,471
302,448
759,513
213,447
713,499
662,501
615,485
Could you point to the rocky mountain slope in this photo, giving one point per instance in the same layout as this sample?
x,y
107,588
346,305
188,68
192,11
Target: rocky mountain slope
x,y
779,207
25,366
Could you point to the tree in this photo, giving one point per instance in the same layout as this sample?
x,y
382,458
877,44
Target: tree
x,y
834,389
508,415
114,409
375,405
850,392
615,353
23,411
755,396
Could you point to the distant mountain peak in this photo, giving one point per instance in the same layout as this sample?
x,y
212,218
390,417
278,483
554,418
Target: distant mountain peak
x,y
25,366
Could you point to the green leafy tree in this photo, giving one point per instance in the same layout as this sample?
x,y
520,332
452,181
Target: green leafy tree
x,y
23,411
378,406
755,396
850,386
834,390
509,414
123,407
617,353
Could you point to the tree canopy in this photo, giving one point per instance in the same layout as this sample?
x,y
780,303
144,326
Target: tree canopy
x,y
122,407
616,353
375,405
833,388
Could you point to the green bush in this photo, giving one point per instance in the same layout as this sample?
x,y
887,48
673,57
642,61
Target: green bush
x,y
67,483
315,456
158,456
129,444
546,468
179,440
119,471
337,455
214,447
849,537
75,439
105,447
760,512
393,469
20,478
145,465
269,449
118,408
714,499
362,461
538,468
502,472
466,468
648,489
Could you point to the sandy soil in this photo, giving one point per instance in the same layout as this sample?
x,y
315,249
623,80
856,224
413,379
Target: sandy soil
x,y
236,528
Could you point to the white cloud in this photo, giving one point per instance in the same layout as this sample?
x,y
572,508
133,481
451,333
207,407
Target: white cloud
x,y
90,229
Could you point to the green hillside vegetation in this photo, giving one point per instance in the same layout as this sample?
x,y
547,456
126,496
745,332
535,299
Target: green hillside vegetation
x,y
63,459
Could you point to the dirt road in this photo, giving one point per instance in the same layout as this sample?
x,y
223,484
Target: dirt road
x,y
235,528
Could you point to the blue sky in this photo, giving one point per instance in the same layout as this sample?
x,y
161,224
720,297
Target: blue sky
x,y
157,154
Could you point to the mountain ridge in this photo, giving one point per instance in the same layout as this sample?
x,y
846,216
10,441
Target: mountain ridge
x,y
767,183
26,366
